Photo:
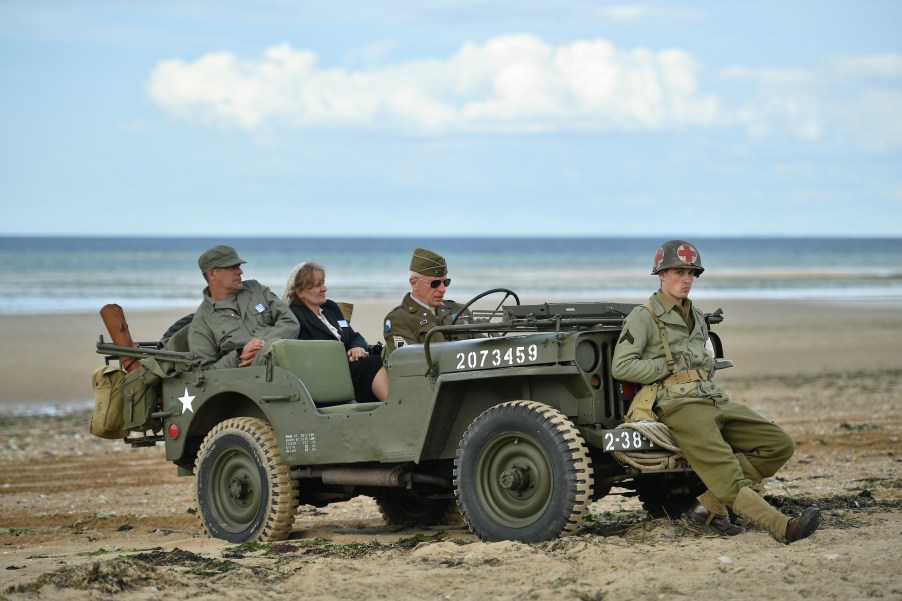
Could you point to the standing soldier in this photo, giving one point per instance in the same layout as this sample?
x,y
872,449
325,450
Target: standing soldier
x,y
664,346
424,307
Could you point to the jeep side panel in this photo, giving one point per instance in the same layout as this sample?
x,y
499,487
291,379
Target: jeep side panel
x,y
388,433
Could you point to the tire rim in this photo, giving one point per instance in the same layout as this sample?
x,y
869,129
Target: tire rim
x,y
236,489
514,480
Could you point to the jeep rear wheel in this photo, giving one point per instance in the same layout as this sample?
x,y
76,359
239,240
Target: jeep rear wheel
x,y
400,507
243,490
522,472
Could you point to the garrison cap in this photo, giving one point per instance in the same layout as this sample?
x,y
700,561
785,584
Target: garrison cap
x,y
219,256
426,262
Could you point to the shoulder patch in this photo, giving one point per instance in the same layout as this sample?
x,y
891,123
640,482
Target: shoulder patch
x,y
388,325
626,336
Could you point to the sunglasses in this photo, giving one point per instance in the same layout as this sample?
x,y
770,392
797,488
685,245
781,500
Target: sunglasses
x,y
435,283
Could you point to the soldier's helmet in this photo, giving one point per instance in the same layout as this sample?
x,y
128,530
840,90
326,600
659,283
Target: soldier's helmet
x,y
677,253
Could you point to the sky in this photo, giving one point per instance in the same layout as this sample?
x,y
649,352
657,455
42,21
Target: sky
x,y
450,117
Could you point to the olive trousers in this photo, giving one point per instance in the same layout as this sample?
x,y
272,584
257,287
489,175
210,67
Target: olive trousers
x,y
710,431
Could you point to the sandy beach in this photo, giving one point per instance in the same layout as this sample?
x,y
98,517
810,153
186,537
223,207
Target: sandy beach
x,y
83,517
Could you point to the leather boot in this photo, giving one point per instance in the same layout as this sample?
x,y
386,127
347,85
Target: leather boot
x,y
750,505
708,512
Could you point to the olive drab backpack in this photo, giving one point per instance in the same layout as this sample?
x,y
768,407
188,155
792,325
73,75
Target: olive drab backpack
x,y
107,419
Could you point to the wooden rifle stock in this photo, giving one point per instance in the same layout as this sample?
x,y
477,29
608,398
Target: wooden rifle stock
x,y
114,320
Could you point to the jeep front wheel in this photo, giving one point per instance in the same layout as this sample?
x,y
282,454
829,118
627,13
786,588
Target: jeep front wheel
x,y
243,490
522,472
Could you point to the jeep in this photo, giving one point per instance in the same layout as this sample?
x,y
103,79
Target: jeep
x,y
516,428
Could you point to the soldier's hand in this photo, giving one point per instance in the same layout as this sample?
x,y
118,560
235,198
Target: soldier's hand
x,y
249,352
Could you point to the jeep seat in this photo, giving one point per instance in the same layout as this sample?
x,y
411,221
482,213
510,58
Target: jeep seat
x,y
322,366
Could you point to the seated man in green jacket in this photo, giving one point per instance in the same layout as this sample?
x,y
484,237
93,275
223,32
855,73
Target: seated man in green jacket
x,y
237,320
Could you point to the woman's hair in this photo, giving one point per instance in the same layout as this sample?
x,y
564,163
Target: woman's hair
x,y
302,276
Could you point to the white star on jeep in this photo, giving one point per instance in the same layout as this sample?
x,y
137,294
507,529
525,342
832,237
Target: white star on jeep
x,y
186,401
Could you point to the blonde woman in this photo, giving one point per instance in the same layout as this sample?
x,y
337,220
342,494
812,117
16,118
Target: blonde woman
x,y
321,319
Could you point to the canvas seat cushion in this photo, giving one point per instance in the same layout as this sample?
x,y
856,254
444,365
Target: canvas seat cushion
x,y
322,366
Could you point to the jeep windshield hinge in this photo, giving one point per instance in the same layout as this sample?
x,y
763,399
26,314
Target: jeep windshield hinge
x,y
267,360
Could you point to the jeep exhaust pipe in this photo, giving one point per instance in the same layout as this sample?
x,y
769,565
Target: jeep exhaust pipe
x,y
396,477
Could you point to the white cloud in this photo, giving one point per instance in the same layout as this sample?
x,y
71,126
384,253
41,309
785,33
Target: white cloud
x,y
378,51
880,65
873,119
514,83
773,77
850,101
520,83
628,13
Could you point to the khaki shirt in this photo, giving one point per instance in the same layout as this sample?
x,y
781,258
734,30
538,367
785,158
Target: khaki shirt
x,y
639,355
409,322
220,329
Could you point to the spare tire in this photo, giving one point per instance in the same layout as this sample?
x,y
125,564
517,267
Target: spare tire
x,y
177,326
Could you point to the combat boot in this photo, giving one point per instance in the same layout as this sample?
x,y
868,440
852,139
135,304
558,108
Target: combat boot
x,y
708,512
750,505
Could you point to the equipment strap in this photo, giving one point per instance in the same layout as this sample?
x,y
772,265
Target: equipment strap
x,y
693,375
671,364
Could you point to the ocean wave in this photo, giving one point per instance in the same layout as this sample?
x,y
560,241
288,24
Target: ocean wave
x,y
54,275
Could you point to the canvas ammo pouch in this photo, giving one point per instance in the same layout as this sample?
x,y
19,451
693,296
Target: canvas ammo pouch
x,y
641,407
106,422
140,393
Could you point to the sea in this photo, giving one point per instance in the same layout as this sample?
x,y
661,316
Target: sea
x,y
81,274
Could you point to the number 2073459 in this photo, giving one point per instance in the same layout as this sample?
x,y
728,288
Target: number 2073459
x,y
515,355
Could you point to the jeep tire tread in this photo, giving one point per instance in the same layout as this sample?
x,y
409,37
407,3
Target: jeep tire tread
x,y
242,488
522,472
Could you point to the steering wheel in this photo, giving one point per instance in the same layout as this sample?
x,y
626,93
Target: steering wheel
x,y
508,293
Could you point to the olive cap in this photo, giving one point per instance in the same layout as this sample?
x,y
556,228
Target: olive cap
x,y
677,253
219,256
426,262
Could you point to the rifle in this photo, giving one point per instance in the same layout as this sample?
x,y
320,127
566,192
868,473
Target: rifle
x,y
114,320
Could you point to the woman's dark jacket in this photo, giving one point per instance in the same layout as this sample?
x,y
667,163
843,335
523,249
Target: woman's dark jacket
x,y
314,329
364,370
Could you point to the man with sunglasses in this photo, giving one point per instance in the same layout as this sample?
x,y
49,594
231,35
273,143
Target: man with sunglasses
x,y
425,306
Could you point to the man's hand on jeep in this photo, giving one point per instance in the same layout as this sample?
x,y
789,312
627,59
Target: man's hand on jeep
x,y
250,352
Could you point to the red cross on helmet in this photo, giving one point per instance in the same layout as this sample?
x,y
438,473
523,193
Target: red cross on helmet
x,y
677,253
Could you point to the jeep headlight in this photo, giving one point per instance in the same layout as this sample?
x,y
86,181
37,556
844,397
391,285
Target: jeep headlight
x,y
587,355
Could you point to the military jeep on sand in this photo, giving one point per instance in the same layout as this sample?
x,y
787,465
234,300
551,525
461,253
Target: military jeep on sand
x,y
516,428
